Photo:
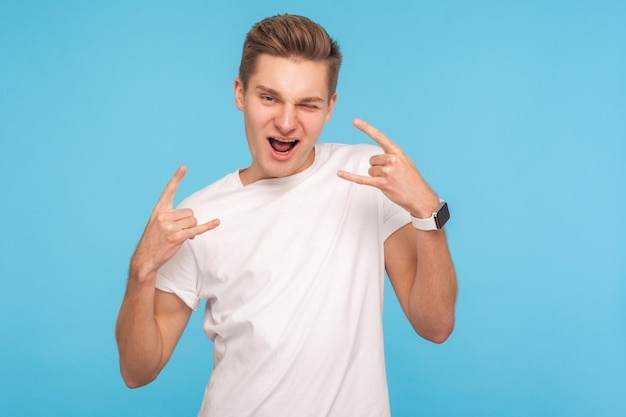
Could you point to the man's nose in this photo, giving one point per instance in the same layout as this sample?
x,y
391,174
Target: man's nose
x,y
285,120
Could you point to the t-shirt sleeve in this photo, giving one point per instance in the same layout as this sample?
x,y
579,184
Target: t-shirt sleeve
x,y
179,276
394,217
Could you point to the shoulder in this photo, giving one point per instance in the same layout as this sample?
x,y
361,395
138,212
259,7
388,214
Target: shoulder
x,y
354,158
211,191
349,149
346,152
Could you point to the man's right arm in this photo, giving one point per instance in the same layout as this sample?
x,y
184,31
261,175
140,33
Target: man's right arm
x,y
149,326
150,321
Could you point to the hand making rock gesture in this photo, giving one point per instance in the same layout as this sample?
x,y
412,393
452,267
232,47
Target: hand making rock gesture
x,y
395,175
167,229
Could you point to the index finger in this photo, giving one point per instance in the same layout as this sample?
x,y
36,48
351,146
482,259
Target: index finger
x,y
167,197
383,141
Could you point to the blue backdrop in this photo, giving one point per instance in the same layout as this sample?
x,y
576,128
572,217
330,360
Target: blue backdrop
x,y
515,112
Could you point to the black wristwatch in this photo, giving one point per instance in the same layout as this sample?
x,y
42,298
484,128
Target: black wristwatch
x,y
439,218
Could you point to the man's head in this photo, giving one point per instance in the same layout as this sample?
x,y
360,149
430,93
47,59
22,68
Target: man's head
x,y
294,37
286,91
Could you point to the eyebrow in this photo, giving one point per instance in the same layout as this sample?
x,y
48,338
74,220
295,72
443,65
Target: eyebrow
x,y
271,91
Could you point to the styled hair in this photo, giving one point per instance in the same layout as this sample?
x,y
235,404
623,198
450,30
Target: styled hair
x,y
290,36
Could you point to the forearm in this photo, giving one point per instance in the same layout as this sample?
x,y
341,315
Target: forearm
x,y
138,337
434,290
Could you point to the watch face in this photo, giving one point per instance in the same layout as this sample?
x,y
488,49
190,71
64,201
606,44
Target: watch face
x,y
442,215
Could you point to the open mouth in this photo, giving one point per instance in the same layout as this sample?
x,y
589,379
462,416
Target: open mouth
x,y
283,146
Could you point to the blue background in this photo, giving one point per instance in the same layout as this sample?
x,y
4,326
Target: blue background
x,y
515,112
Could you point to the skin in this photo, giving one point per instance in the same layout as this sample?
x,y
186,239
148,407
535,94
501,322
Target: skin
x,y
426,289
287,100
150,321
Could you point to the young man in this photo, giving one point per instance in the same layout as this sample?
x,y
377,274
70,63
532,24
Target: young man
x,y
293,276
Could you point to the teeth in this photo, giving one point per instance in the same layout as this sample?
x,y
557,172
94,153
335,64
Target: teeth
x,y
286,145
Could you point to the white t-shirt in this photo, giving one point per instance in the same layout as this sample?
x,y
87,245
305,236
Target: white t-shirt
x,y
293,279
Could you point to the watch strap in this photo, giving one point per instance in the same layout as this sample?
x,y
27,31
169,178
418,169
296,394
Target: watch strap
x,y
434,222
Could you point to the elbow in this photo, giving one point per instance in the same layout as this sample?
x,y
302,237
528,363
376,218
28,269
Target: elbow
x,y
436,334
441,335
135,370
133,381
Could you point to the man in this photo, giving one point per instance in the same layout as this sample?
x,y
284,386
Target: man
x,y
293,276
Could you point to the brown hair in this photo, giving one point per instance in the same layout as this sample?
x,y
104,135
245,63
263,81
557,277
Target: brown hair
x,y
290,36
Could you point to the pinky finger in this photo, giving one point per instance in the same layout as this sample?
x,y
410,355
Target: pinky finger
x,y
359,179
205,227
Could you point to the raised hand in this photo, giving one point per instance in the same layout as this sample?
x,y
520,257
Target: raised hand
x,y
166,230
395,175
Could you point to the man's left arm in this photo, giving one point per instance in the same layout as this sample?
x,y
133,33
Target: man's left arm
x,y
426,288
418,262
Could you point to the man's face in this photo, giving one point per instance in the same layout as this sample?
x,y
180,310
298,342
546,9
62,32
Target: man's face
x,y
285,108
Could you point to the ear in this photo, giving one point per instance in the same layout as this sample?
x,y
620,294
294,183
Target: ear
x,y
238,87
331,106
